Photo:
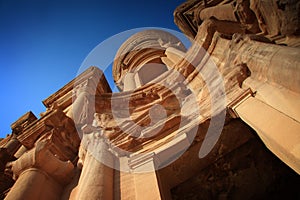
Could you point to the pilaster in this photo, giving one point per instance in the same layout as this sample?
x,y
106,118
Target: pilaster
x,y
145,178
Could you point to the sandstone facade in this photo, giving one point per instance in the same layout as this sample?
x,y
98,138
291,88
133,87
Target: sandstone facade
x,y
219,120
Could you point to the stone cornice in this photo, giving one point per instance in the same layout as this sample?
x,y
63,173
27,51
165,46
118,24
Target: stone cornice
x,y
63,97
23,122
184,17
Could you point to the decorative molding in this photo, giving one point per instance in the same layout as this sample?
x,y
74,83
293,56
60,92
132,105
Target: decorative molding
x,y
63,97
235,103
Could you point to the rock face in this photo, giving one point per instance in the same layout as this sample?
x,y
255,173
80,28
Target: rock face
x,y
219,120
277,20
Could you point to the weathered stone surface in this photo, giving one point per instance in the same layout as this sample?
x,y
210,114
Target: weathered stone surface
x,y
277,20
23,122
39,172
147,141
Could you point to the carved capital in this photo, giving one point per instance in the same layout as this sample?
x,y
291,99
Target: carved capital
x,y
42,158
56,124
87,87
97,146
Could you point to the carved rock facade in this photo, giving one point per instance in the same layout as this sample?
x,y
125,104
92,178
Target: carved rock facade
x,y
219,120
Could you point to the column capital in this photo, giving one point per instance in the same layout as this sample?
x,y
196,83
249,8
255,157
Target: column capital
x,y
57,126
41,157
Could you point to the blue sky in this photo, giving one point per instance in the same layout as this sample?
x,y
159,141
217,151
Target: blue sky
x,y
44,42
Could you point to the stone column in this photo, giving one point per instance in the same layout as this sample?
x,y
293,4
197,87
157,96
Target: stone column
x,y
39,174
12,145
34,184
137,80
270,63
273,112
129,82
96,180
82,109
20,151
173,56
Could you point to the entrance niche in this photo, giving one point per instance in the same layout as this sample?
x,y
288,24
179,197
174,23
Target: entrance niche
x,y
150,71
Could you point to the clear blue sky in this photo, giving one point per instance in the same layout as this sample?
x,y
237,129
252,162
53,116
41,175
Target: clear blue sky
x,y
44,42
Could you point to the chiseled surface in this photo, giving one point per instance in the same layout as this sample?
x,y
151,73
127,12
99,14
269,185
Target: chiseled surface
x,y
153,118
